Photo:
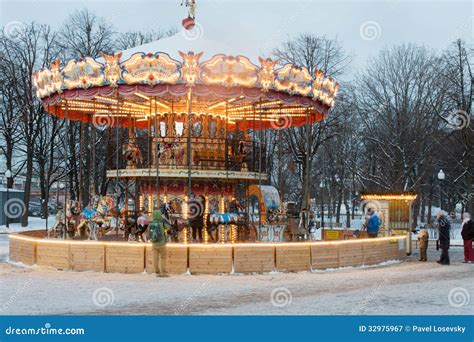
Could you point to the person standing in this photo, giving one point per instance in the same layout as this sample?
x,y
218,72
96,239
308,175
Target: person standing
x,y
423,240
373,224
467,233
158,240
444,240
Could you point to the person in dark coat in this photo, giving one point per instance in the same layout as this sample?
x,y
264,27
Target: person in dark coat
x,y
467,233
444,240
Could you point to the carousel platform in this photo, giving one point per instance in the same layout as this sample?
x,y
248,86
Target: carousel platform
x,y
33,248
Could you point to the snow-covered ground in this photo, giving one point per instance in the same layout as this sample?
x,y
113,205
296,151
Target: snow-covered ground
x,y
409,287
34,223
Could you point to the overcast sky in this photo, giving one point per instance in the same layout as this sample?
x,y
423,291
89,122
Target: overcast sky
x,y
364,27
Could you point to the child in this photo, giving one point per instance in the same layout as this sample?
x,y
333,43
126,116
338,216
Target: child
x,y
423,240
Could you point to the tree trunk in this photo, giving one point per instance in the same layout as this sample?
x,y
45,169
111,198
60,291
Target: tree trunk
x,y
29,175
348,213
423,208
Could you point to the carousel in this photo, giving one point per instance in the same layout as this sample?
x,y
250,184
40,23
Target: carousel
x,y
195,142
187,121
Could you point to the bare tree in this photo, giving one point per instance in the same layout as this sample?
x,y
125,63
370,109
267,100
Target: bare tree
x,y
327,55
84,34
49,157
458,74
396,98
30,50
10,120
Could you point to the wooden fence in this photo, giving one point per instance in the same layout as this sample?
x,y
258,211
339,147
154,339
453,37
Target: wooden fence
x,y
123,257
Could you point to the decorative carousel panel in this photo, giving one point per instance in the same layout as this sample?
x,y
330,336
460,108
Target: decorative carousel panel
x,y
48,81
229,71
266,76
197,126
324,89
83,73
42,81
112,69
212,127
150,69
175,188
214,189
190,69
198,189
294,80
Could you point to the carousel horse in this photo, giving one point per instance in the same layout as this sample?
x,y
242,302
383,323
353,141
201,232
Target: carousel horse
x,y
226,219
132,154
172,226
171,154
143,221
70,219
128,224
96,217
59,227
73,219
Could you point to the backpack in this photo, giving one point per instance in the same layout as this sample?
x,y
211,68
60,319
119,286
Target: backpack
x,y
156,231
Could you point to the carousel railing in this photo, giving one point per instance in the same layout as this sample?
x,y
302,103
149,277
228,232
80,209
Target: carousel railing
x,y
206,154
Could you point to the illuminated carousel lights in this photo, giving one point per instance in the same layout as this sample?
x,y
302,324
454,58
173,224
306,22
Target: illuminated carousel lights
x,y
401,197
226,70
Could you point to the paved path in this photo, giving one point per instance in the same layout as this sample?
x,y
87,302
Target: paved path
x,y
409,287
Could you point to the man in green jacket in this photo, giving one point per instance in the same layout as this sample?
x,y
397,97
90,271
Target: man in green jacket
x,y
158,240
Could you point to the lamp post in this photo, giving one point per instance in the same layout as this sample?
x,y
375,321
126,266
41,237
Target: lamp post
x,y
44,203
321,186
8,175
441,176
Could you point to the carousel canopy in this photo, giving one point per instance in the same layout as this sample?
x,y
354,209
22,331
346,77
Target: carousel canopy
x,y
161,77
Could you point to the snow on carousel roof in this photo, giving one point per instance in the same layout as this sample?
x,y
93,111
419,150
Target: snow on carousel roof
x,y
211,42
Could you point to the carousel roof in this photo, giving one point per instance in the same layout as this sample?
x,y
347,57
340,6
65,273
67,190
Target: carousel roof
x,y
153,79
210,41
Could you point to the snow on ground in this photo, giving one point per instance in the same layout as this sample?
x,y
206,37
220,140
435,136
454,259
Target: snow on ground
x,y
394,288
34,223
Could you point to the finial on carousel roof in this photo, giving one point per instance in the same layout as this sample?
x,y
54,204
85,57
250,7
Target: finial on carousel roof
x,y
188,23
